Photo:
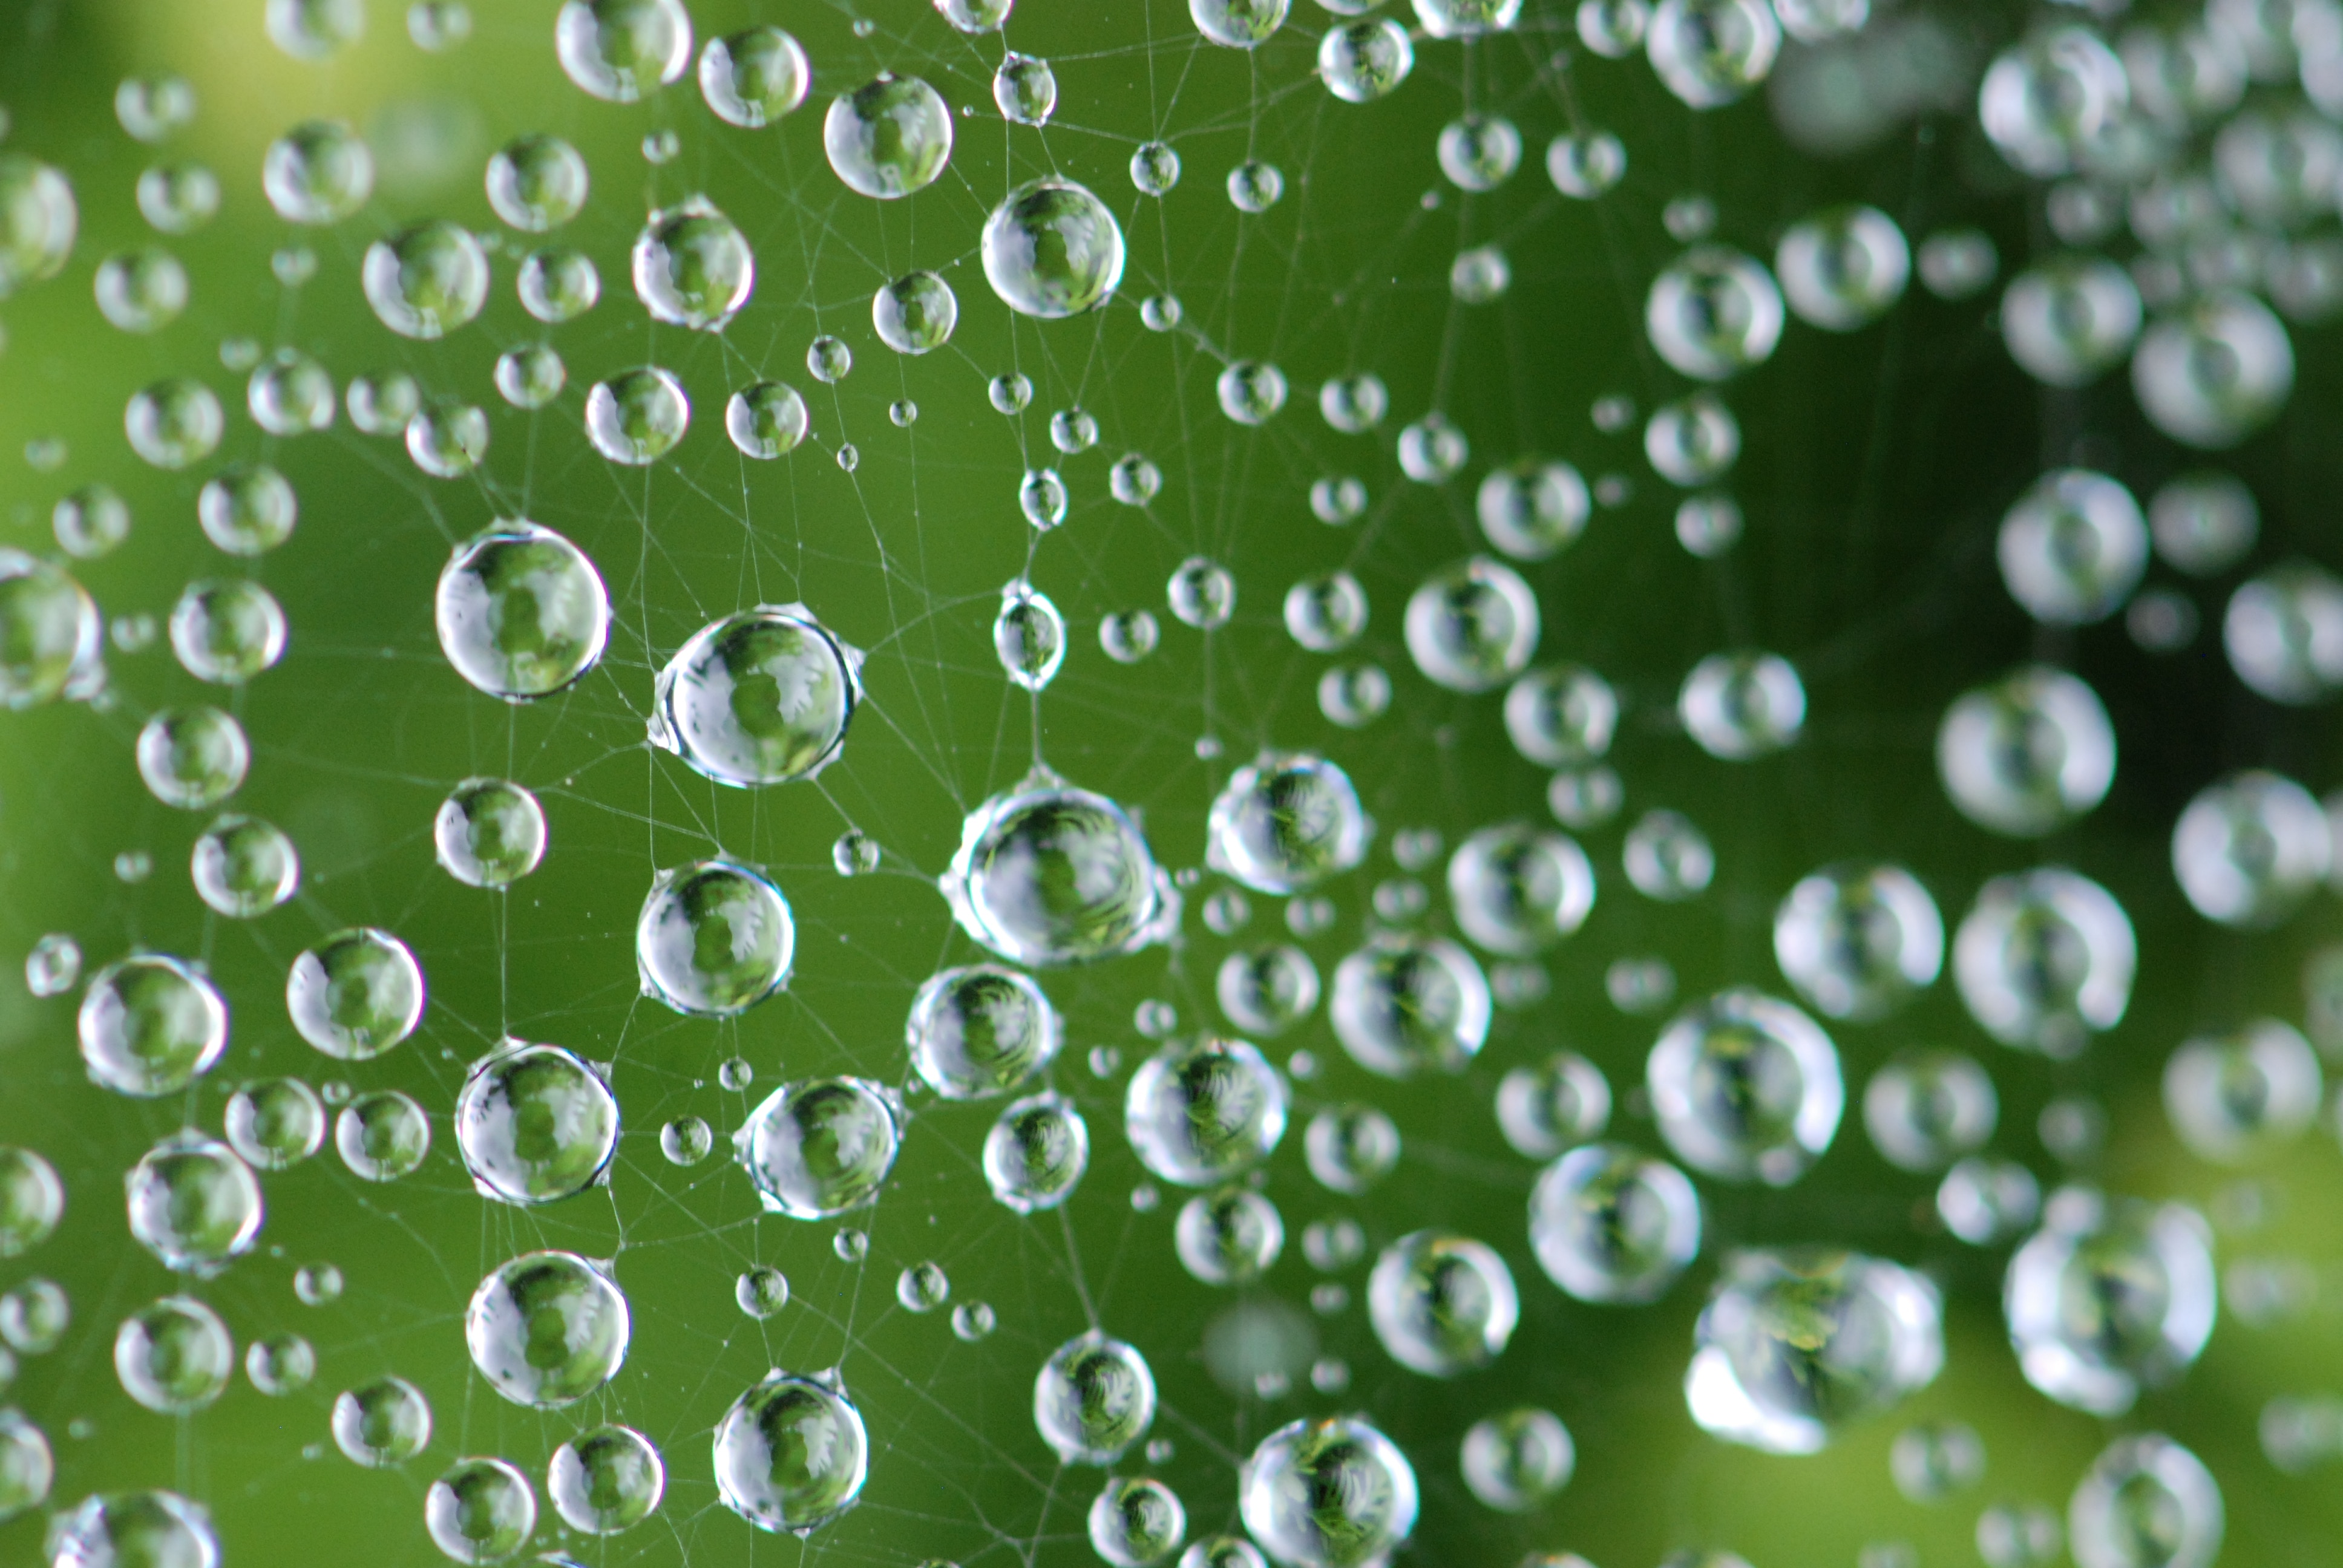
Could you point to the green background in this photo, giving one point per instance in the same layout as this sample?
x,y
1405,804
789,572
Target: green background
x,y
1876,466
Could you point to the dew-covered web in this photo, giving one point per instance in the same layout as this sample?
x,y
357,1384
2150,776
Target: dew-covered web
x,y
1853,538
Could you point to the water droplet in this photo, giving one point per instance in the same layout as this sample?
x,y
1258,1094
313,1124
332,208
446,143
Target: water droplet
x,y
820,1147
1255,186
692,268
1713,312
1473,625
355,994
141,290
1250,391
275,1124
243,867
791,1454
1795,1344
1330,1494
490,833
1228,1237
318,173
1011,888
480,1510
1036,1153
1743,1086
1267,990
889,137
530,376
1932,1460
2107,1297
49,631
1128,636
1709,53
547,1329
2068,319
150,1025
1202,1113
557,284
126,1527
534,1125
2249,849
980,1031
714,938
280,1364
754,77
1517,890
637,417
1984,1202
1092,1399
606,1481
154,108
686,1140
1844,267
427,281
173,1356
317,1285
174,423
762,696
1365,60
2146,1500
1051,249
193,1203
1029,636
1351,1148
382,1137
1518,1461
1926,1108
622,50
972,1322
2044,960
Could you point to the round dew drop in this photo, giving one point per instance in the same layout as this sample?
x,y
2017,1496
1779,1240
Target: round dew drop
x,y
791,1454
714,938
1051,249
521,612
758,697
889,138
548,1329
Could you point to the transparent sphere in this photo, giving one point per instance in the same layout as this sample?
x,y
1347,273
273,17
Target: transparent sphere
x,y
1351,1148
382,1136
1546,1107
1936,1459
150,1025
537,183
2202,522
1326,613
889,137
758,697
227,631
2073,548
692,268
275,1124
1200,593
480,1510
1285,822
1238,23
1136,1523
38,222
1709,53
1531,509
2044,960
193,1203
248,511
534,1124
1857,941
1517,890
1036,1153
1926,1108
1584,165
1025,90
980,1032
1092,1399
1049,874
2066,320
2238,1097
2028,754
173,424
767,420
1985,1201
1517,1461
1479,153
1406,1004
1365,60
319,172
1155,168
1561,716
427,281
687,1141
820,1147
173,1356
2283,633
27,1466
1713,312
32,1200
447,438
50,634
557,284
1738,706
1958,263
1610,1224
1694,440
1228,1237
1441,1304
521,611
193,757
2249,849
1202,1112
1794,1345
34,1317
622,50
2044,101
1473,627
243,867
1743,1085
1843,268
1029,636
1051,249
290,394
2146,1503
714,938
2214,372
637,417
791,1454
1327,1493
606,1481
490,833
2109,1297
547,1329
754,77
355,994
176,198
131,1530
915,314
90,522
